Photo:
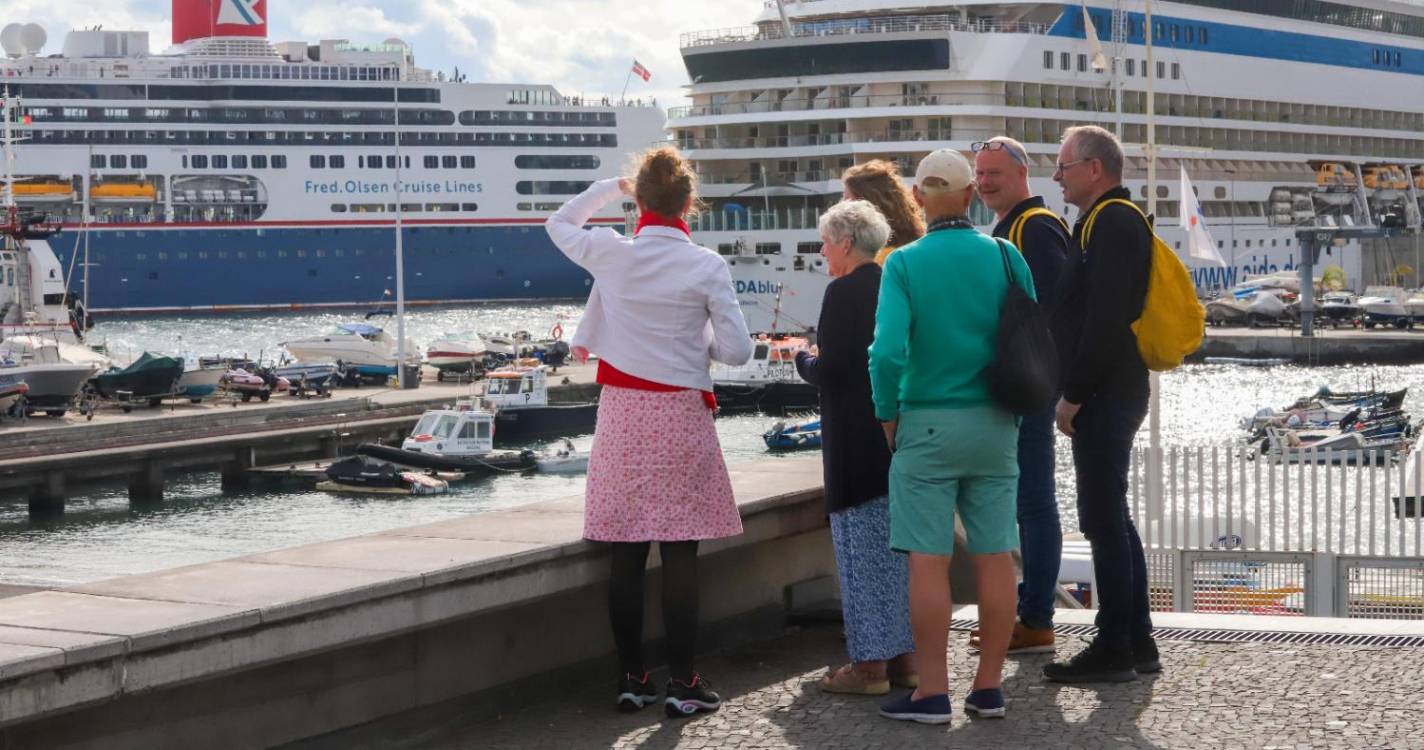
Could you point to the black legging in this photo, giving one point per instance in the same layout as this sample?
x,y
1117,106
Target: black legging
x,y
625,604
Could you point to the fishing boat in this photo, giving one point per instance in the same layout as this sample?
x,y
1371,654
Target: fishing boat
x,y
150,378
519,398
783,436
769,381
456,439
366,475
364,349
1348,448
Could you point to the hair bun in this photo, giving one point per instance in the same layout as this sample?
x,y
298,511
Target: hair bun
x,y
666,183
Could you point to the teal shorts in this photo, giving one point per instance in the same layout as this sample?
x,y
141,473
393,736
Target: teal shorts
x,y
951,461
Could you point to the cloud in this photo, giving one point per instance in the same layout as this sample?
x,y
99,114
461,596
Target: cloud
x,y
579,46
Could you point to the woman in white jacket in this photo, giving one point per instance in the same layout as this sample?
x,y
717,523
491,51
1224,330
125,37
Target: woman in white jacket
x,y
661,309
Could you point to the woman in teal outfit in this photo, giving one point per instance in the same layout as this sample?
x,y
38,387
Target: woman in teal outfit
x,y
954,449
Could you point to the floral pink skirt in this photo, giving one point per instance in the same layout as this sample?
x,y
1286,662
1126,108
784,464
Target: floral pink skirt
x,y
656,471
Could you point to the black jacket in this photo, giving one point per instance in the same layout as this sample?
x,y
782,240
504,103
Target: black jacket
x,y
854,458
1045,247
1102,294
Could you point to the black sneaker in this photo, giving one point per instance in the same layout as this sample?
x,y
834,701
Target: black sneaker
x,y
1096,663
1145,659
686,699
634,693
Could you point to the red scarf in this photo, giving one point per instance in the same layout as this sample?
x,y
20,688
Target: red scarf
x,y
654,219
610,375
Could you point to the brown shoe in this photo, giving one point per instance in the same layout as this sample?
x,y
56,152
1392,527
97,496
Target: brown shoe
x,y
1025,640
848,681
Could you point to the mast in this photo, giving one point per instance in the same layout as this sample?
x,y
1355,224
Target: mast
x,y
1154,412
400,254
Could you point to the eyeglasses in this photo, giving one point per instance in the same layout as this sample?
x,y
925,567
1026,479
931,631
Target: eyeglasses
x,y
1013,152
1064,167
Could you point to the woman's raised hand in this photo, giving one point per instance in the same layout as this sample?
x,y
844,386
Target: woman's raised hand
x,y
627,186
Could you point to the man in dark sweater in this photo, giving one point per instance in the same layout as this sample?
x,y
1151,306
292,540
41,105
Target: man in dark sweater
x,y
1105,399
1001,172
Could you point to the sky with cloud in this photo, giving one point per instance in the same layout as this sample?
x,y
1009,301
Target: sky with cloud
x,y
580,46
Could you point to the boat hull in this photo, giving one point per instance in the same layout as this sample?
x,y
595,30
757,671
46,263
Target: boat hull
x,y
772,398
488,463
341,266
522,424
51,386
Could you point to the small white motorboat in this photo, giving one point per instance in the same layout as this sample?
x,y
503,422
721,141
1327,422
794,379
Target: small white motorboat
x,y
368,350
455,353
565,460
1385,305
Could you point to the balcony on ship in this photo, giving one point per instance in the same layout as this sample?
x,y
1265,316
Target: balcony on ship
x,y
858,27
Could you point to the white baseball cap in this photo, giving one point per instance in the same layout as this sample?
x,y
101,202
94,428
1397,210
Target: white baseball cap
x,y
947,164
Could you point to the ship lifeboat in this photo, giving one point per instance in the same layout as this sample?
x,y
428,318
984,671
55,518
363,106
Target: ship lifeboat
x,y
123,191
1333,177
43,191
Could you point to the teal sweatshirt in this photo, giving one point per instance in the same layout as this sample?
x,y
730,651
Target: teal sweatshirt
x,y
937,320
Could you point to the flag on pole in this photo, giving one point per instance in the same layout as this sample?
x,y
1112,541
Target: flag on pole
x,y
1200,245
641,72
1100,60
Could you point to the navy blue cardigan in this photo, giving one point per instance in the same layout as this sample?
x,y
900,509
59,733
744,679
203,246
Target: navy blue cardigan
x,y
854,458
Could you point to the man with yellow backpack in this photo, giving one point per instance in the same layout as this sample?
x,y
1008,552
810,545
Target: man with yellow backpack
x,y
1127,305
1044,239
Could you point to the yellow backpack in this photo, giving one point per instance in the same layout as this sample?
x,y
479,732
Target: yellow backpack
x,y
1172,320
1017,228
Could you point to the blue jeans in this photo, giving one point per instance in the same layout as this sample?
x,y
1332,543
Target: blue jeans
x,y
1102,449
1040,532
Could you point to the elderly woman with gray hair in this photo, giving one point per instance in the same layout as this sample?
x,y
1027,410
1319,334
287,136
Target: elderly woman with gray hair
x,y
855,459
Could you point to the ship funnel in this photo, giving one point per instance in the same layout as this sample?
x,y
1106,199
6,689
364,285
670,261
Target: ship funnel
x,y
200,19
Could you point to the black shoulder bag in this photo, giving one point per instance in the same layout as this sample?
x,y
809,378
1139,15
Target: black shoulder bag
x,y
1023,377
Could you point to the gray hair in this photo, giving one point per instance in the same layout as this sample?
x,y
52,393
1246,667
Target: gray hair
x,y
1093,142
860,222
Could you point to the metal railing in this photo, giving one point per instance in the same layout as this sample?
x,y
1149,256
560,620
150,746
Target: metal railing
x,y
752,221
855,26
1225,497
1331,533
823,139
839,101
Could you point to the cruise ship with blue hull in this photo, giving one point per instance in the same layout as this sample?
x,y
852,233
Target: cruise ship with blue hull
x,y
230,172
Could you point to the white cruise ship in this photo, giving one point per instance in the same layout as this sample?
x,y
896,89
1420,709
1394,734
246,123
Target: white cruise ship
x,y
228,171
1284,114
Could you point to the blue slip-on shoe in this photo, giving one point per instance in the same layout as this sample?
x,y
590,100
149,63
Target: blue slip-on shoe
x,y
987,703
931,710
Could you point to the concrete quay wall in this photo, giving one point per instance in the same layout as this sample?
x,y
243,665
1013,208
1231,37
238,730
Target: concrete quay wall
x,y
1327,348
269,648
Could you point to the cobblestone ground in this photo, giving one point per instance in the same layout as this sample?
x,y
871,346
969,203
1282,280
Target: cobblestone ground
x,y
1252,696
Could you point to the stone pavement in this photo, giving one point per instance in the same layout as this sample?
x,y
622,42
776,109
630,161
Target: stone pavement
x,y
1211,695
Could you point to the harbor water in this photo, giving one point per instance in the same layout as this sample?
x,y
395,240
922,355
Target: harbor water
x,y
102,535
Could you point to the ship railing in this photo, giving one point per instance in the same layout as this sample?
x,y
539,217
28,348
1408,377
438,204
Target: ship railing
x,y
928,136
861,101
756,221
857,26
